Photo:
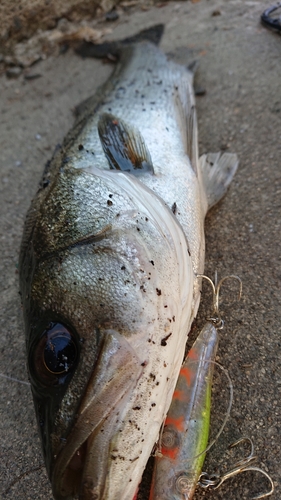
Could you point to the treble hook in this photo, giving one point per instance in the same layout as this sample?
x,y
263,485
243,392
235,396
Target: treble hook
x,y
243,465
216,286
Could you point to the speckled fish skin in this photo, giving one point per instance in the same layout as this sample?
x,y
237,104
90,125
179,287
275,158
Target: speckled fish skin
x,y
104,258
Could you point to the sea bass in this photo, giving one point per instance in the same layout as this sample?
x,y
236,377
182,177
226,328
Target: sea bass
x,y
112,245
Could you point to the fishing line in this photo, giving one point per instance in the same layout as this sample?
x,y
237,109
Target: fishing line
x,y
19,478
14,379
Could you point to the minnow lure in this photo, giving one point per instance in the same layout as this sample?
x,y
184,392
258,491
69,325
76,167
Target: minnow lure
x,y
179,463
186,430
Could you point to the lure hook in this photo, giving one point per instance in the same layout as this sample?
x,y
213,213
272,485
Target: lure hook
x,y
243,465
216,319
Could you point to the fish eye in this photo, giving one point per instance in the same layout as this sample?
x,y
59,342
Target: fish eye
x,y
56,354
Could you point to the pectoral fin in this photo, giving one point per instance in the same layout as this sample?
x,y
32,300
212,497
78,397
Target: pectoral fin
x,y
217,170
123,145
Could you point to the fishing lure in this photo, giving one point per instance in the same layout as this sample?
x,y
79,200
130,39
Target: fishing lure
x,y
186,431
183,444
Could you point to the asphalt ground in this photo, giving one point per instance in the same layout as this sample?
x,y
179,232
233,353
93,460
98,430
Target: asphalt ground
x,y
239,110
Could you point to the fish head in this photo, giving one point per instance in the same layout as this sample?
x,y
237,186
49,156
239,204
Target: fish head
x,y
100,285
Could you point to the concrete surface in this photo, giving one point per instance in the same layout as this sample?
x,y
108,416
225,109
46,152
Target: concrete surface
x,y
241,110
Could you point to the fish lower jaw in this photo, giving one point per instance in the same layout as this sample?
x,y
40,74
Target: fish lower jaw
x,y
81,483
108,469
68,486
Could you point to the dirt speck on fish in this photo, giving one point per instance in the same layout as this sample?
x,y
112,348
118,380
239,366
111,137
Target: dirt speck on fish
x,y
101,238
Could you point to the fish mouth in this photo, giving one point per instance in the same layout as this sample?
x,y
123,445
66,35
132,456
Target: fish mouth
x,y
83,476
81,466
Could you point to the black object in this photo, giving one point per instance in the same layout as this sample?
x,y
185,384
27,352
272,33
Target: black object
x,y
269,21
112,15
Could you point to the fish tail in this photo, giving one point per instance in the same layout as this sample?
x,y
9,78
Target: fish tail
x,y
112,50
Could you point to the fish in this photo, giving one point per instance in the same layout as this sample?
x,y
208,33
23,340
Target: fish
x,y
183,443
111,248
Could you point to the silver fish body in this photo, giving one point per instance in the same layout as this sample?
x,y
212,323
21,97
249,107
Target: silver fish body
x,y
108,270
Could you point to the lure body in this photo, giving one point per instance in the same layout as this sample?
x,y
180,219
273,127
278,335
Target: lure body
x,y
186,430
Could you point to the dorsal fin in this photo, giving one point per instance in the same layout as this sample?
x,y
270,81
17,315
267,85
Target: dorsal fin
x,y
123,145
